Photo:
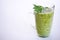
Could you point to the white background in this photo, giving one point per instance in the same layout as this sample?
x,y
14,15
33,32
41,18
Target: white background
x,y
16,20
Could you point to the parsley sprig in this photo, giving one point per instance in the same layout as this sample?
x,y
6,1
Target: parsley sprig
x,y
38,8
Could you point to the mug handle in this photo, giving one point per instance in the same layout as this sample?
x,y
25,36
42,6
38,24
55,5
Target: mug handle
x,y
34,27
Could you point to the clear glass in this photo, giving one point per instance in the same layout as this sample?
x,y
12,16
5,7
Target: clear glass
x,y
44,20
43,23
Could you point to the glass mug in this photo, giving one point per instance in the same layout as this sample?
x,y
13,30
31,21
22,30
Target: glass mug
x,y
43,21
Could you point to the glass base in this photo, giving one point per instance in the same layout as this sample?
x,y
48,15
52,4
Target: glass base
x,y
43,36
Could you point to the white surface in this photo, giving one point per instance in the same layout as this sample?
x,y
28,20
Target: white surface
x,y
15,20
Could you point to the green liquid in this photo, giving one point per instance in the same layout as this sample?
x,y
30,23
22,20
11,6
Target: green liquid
x,y
43,23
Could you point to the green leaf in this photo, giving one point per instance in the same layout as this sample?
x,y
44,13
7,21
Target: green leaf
x,y
38,8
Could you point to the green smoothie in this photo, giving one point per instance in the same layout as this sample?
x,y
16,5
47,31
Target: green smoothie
x,y
43,23
43,19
